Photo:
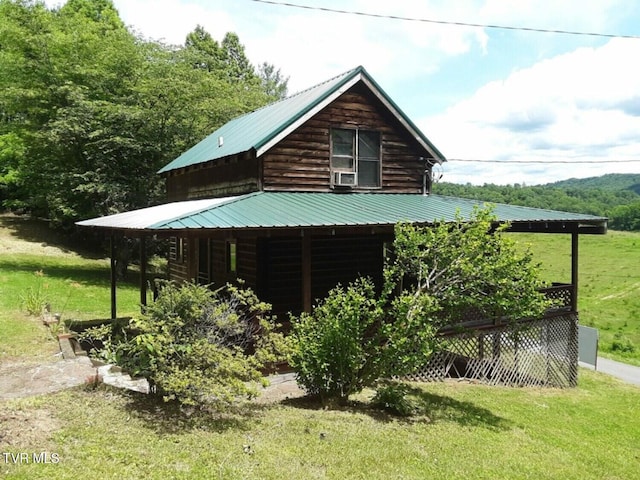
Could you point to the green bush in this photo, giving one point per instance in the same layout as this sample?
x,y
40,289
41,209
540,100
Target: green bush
x,y
195,345
621,344
357,336
392,397
332,348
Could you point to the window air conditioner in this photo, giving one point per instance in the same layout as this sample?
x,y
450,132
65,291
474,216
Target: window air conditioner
x,y
344,179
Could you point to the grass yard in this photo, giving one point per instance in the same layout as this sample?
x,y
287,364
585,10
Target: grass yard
x,y
76,286
609,284
467,432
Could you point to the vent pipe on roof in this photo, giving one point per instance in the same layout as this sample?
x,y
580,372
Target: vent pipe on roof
x,y
220,141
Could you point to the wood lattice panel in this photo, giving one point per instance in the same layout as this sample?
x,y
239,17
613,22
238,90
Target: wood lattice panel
x,y
541,352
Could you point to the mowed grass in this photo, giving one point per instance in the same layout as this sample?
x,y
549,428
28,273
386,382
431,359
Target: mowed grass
x,y
75,286
608,287
466,432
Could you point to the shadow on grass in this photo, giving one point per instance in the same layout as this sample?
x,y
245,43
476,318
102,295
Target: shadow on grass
x,y
430,408
464,413
37,231
169,418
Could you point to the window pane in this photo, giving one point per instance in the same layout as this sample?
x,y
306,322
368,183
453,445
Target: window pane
x,y
231,256
345,163
343,141
368,173
368,144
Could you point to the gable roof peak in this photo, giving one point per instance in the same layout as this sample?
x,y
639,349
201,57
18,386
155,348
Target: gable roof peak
x,y
261,129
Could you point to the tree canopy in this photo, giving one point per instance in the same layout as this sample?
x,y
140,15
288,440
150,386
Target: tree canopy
x,y
89,110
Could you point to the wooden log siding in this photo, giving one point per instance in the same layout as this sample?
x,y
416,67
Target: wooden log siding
x,y
178,266
228,176
280,283
342,260
334,259
301,161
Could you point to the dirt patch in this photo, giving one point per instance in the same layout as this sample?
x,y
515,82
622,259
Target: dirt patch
x,y
32,429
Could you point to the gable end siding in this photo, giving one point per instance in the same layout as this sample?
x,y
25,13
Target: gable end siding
x,y
300,162
234,175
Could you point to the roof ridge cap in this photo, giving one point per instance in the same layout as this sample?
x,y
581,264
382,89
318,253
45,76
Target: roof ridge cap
x,y
300,92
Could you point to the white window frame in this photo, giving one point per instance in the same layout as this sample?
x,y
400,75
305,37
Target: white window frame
x,y
355,156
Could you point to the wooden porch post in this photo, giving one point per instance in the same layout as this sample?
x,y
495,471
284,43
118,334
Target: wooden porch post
x,y
574,271
306,272
143,272
112,245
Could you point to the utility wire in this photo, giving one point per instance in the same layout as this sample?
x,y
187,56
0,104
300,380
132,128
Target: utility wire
x,y
444,22
604,161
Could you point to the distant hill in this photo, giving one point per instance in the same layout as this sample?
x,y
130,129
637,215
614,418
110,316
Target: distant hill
x,y
611,181
616,196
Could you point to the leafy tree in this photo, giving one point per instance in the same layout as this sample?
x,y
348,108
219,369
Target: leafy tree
x,y
196,346
626,217
273,83
89,111
439,275
236,64
207,51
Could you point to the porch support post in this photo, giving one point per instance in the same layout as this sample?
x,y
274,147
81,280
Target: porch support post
x,y
143,272
306,272
574,271
112,246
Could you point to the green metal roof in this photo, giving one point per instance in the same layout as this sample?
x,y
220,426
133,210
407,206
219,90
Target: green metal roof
x,y
269,210
262,128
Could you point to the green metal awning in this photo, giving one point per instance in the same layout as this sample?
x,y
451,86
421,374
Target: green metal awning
x,y
288,210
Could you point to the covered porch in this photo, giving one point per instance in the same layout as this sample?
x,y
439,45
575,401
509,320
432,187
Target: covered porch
x,y
292,248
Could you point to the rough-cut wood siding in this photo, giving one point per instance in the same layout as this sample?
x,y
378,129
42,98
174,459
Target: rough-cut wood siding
x,y
178,256
224,177
280,282
247,258
301,161
333,260
342,260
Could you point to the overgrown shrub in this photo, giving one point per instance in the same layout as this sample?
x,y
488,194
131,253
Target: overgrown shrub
x,y
333,347
197,346
392,397
621,344
438,276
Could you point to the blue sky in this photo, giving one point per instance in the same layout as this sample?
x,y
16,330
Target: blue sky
x,y
477,93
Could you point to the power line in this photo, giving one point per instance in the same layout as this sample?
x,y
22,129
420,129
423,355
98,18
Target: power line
x,y
476,160
445,22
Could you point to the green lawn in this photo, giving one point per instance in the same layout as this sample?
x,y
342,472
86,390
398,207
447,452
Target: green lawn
x,y
34,262
609,283
468,432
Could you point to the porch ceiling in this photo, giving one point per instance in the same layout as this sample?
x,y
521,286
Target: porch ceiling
x,y
287,210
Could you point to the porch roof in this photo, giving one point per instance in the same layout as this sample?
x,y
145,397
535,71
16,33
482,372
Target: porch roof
x,y
288,210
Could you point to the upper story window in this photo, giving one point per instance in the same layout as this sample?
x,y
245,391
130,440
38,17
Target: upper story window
x,y
355,157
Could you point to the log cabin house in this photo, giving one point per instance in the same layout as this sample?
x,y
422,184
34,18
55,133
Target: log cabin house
x,y
304,193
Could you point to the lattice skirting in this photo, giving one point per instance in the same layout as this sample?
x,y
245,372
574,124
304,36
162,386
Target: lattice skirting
x,y
540,352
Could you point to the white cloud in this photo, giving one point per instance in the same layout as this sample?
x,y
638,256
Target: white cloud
x,y
579,106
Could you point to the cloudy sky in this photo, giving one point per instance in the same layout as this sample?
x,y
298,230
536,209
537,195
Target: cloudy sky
x,y
567,105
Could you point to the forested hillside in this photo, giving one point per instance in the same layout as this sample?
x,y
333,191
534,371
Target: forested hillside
x,y
90,110
616,196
